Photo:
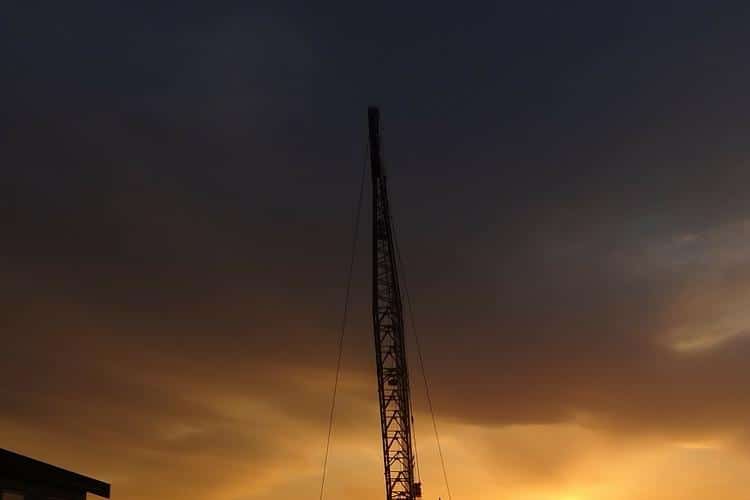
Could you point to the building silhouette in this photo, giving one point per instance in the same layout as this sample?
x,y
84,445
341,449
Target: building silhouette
x,y
23,478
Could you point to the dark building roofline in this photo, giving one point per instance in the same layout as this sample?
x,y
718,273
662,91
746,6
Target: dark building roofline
x,y
28,469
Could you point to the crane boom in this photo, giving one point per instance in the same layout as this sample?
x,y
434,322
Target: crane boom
x,y
388,330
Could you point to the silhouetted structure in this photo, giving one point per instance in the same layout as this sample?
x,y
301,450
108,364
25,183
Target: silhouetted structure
x,y
388,328
23,478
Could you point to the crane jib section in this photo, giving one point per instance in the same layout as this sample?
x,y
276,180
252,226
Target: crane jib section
x,y
388,330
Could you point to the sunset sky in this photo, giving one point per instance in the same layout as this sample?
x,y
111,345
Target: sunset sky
x,y
571,184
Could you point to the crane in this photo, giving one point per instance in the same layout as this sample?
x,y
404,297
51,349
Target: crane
x,y
388,330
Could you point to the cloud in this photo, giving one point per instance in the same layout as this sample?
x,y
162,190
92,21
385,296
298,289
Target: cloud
x,y
175,228
177,334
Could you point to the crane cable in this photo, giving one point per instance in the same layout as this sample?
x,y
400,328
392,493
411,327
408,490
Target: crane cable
x,y
414,438
421,359
342,334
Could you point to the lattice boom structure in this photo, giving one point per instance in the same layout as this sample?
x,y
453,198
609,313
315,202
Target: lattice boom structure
x,y
388,329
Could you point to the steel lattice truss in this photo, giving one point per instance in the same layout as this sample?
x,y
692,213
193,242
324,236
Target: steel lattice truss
x,y
388,329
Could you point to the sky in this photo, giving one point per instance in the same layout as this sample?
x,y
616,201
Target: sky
x,y
569,181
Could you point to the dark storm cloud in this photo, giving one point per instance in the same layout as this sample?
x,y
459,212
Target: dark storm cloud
x,y
177,191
